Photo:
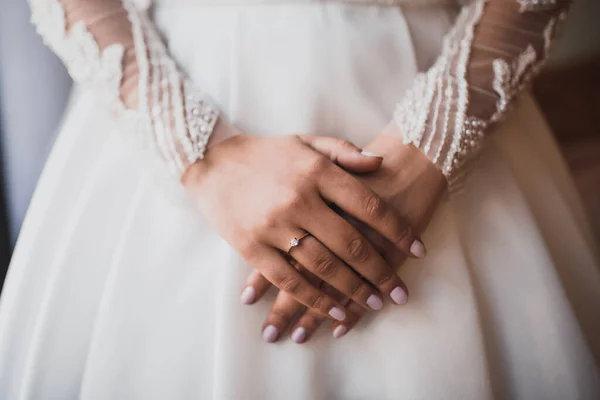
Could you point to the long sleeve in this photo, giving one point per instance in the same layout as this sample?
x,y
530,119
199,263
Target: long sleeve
x,y
112,46
492,52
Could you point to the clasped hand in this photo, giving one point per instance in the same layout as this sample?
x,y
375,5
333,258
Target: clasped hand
x,y
259,193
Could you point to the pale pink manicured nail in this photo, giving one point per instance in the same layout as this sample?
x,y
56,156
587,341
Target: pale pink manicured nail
x,y
299,335
374,302
270,334
339,331
248,295
369,154
337,314
399,295
417,249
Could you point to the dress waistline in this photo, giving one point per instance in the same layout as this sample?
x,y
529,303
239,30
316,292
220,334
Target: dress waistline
x,y
383,3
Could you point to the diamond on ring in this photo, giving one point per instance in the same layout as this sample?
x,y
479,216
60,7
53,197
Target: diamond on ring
x,y
296,241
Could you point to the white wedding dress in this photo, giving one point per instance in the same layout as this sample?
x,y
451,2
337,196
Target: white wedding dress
x,y
118,289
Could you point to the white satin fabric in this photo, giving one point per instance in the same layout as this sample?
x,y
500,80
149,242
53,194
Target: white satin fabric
x,y
390,3
118,290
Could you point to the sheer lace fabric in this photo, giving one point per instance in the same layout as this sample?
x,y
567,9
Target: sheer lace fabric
x,y
490,55
113,46
494,49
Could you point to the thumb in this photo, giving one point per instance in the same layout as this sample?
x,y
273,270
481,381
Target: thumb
x,y
343,153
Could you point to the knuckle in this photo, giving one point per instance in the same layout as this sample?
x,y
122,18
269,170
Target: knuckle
x,y
358,250
247,248
345,144
325,266
289,204
317,165
283,317
385,279
293,201
355,288
264,224
317,302
375,206
311,321
290,284
405,232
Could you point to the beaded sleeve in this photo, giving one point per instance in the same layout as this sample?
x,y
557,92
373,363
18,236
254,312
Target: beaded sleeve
x,y
489,56
112,46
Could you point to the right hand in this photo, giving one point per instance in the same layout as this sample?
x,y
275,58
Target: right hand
x,y
261,192
409,182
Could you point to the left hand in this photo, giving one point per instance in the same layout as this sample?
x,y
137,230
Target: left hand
x,y
409,182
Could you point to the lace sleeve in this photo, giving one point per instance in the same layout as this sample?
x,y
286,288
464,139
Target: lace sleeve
x,y
114,47
492,52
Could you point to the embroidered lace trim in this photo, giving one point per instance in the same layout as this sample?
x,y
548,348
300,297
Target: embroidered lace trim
x,y
489,56
112,46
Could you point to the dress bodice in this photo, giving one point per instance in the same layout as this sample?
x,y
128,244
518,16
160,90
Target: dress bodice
x,y
493,50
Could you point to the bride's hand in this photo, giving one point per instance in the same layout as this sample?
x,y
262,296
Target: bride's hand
x,y
407,181
259,193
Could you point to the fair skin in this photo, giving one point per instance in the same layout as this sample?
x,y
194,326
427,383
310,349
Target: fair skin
x,y
410,183
290,188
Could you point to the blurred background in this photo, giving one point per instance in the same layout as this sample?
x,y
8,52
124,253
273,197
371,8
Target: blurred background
x,y
34,90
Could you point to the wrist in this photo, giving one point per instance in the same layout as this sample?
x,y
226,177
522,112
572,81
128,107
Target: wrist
x,y
222,131
404,161
224,135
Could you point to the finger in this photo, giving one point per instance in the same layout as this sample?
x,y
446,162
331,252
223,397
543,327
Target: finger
x,y
363,204
309,322
280,317
356,251
381,244
280,273
319,260
284,310
344,153
355,313
394,257
256,286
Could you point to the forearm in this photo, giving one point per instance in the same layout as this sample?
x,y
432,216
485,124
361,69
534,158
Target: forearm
x,y
114,47
487,59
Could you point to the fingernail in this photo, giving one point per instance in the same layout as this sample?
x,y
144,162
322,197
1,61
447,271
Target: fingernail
x,y
270,334
248,295
369,154
299,335
417,249
337,314
399,295
339,331
374,302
